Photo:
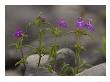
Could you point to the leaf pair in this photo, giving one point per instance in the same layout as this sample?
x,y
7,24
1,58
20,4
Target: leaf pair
x,y
56,31
79,47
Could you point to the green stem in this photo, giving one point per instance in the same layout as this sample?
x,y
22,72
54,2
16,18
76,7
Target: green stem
x,y
78,61
23,57
75,64
66,43
40,46
55,49
40,38
77,57
39,60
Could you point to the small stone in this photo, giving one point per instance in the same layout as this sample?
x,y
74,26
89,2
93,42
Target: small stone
x,y
98,70
32,61
33,70
64,55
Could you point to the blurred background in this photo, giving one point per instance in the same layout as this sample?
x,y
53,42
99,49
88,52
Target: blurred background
x,y
20,15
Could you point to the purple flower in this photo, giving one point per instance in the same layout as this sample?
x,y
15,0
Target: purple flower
x,y
62,23
89,25
80,23
19,33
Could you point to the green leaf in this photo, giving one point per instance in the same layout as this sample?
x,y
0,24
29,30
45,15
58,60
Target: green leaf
x,y
67,70
22,61
28,46
44,50
18,44
49,67
103,48
13,44
53,51
65,66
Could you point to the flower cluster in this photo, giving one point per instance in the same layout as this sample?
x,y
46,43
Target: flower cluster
x,y
80,23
